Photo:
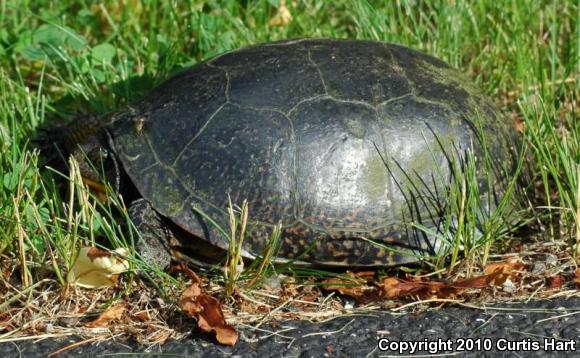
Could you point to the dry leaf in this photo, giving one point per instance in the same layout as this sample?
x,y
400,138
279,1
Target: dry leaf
x,y
389,287
412,288
282,17
96,268
5,323
350,284
474,282
456,288
363,274
212,319
577,278
188,301
519,124
392,287
208,312
113,313
142,316
555,282
503,270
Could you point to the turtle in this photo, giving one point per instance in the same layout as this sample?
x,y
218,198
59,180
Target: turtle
x,y
321,136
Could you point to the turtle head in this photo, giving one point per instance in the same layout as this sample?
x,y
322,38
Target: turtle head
x,y
85,139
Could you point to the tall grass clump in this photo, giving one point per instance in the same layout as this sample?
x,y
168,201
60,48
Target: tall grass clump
x,y
555,141
235,275
465,207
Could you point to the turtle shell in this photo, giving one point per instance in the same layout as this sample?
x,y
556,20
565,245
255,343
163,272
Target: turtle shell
x,y
305,130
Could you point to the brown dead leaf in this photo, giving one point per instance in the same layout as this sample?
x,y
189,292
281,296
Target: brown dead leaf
x,y
456,288
113,313
391,287
188,301
350,284
501,271
336,285
407,288
478,282
208,312
394,288
368,275
95,253
555,282
311,297
142,316
212,318
519,124
329,349
577,278
5,323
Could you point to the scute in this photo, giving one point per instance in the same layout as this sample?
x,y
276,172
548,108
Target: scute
x,y
359,70
246,154
279,77
312,134
335,147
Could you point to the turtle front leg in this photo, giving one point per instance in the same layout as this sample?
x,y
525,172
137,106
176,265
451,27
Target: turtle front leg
x,y
154,243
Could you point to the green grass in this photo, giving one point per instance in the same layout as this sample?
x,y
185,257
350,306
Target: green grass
x,y
62,58
476,211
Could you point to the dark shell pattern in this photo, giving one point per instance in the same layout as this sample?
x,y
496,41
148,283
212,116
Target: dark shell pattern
x,y
296,128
